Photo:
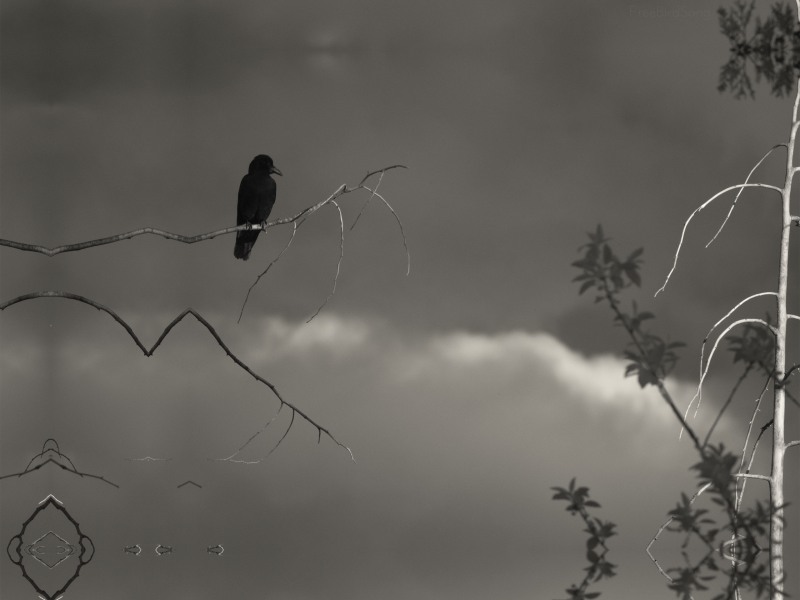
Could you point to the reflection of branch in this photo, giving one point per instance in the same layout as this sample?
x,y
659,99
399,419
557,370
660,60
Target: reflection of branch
x,y
599,532
667,524
186,239
82,540
149,352
71,468
232,458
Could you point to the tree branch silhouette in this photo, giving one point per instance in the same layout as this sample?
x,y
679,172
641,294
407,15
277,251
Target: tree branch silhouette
x,y
149,351
71,468
301,217
201,237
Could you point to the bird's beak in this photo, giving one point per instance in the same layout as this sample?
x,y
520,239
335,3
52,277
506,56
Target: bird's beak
x,y
276,171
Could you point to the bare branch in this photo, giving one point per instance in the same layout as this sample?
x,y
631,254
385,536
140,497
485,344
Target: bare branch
x,y
149,351
187,239
794,443
399,224
300,218
704,371
732,393
703,347
285,433
366,203
700,208
667,524
71,468
338,262
733,310
753,476
739,193
764,428
269,266
247,443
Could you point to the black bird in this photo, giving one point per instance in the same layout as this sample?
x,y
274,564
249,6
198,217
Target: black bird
x,y
256,199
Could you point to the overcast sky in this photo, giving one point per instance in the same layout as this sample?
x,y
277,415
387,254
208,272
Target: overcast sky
x,y
465,389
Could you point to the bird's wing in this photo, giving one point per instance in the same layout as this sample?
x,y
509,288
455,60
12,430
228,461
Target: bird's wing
x,y
248,201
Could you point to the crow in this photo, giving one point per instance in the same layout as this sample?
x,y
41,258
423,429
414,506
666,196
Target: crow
x,y
256,199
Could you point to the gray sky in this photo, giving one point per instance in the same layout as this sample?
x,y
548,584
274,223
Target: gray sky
x,y
467,389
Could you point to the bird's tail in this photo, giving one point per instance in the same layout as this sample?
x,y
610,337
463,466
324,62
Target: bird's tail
x,y
242,248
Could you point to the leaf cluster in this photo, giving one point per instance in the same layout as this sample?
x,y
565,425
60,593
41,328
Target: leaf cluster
x,y
772,49
603,270
737,536
651,357
578,501
737,543
751,580
691,520
755,345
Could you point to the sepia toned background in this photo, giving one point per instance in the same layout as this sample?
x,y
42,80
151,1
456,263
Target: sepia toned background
x,y
467,388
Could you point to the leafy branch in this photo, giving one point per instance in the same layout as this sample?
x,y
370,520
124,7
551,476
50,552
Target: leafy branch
x,y
599,532
652,358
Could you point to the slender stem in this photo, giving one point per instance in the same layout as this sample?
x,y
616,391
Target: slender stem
x,y
739,381
777,575
659,383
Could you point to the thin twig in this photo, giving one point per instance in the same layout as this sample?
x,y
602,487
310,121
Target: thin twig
x,y
366,203
719,322
656,376
399,224
750,425
704,372
186,239
700,208
269,266
149,351
732,393
247,443
338,263
731,311
753,476
739,193
300,218
667,524
71,468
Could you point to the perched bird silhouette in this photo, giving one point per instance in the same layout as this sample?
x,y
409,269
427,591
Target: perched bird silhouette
x,y
256,199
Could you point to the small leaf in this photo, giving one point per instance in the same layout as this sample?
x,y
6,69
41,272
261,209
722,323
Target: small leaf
x,y
608,255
